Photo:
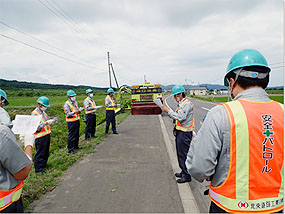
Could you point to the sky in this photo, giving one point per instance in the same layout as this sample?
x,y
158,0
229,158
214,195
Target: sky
x,y
164,41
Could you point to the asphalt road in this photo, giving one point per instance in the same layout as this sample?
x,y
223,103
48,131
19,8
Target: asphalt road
x,y
129,173
200,110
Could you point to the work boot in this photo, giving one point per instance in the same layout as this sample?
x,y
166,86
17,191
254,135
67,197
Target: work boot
x,y
72,152
183,180
178,174
115,132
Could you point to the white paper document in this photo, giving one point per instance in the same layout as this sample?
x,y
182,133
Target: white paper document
x,y
26,124
97,107
81,109
158,102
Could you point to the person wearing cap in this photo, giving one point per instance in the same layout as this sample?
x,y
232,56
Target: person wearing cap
x,y
72,112
110,104
42,135
183,130
240,145
15,164
90,114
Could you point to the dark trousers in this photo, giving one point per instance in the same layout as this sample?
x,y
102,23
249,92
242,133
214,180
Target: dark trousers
x,y
90,125
216,209
73,135
110,118
183,140
16,207
42,152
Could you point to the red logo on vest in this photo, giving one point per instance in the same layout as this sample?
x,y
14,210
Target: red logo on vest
x,y
243,205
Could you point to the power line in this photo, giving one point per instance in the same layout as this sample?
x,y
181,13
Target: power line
x,y
48,52
276,63
278,67
73,21
27,34
61,16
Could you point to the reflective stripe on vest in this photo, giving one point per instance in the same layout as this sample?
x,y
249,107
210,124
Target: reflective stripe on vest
x,y
113,103
93,104
46,129
75,116
10,196
178,125
255,181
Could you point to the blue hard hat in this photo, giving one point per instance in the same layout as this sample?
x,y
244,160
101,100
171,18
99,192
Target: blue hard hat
x,y
70,93
4,95
89,90
245,58
110,90
177,89
43,100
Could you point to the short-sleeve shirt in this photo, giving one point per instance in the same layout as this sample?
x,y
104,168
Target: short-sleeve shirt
x,y
12,159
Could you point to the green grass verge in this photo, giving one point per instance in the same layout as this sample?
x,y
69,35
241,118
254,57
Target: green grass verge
x,y
59,160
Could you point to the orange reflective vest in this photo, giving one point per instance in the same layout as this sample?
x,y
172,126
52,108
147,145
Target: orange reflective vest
x,y
46,129
255,181
7,197
113,103
75,117
92,103
178,125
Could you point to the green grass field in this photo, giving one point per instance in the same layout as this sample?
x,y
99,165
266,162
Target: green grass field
x,y
277,98
59,160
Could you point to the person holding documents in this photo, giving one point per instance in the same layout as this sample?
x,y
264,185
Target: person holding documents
x,y
42,135
15,164
184,126
72,112
90,114
110,111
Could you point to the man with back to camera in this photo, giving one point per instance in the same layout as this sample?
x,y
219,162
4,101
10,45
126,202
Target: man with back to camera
x,y
240,146
15,164
183,131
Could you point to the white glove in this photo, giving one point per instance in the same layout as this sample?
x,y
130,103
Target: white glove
x,y
29,140
81,108
50,122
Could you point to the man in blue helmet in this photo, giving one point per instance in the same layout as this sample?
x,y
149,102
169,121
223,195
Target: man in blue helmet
x,y
240,145
90,114
72,117
42,135
184,126
110,104
15,164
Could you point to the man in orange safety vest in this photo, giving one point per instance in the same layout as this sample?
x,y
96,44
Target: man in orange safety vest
x,y
240,146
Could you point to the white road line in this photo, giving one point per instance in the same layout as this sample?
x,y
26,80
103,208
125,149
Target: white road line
x,y
188,201
205,108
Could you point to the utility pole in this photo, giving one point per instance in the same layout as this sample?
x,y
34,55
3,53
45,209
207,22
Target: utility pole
x,y
108,54
144,79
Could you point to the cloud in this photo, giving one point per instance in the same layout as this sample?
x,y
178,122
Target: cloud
x,y
166,40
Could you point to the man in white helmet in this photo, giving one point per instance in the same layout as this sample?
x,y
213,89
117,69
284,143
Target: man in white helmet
x,y
15,164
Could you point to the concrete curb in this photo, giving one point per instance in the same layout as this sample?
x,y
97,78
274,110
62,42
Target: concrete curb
x,y
185,192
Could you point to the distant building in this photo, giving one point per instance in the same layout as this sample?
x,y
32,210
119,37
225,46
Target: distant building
x,y
223,92
198,91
